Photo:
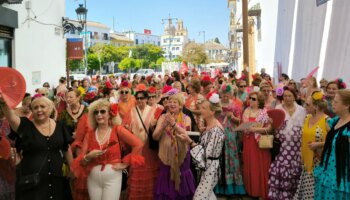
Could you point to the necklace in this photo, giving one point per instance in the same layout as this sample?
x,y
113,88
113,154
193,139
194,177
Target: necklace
x,y
75,113
102,141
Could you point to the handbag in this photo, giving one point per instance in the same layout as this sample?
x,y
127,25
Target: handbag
x,y
266,142
30,181
153,144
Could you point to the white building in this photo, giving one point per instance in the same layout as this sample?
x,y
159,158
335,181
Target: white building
x,y
174,40
216,52
96,32
143,38
34,45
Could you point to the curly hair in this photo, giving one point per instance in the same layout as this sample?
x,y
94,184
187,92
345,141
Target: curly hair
x,y
99,104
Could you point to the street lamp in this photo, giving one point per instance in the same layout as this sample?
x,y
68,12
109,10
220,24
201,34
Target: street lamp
x,y
69,26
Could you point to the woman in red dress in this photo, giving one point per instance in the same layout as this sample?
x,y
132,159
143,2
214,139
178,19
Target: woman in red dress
x,y
256,161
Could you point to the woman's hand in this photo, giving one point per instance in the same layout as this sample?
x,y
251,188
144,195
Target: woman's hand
x,y
184,137
94,154
170,118
314,145
120,166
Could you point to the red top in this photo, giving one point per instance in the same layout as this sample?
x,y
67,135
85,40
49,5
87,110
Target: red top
x,y
112,154
82,129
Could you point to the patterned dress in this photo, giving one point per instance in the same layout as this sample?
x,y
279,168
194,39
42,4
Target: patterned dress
x,y
206,156
326,176
315,133
233,183
286,169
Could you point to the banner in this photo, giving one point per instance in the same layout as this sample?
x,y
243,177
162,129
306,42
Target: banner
x,y
147,31
75,48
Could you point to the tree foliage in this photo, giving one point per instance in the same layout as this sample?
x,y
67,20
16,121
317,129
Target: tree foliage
x,y
194,53
75,64
93,62
216,40
127,63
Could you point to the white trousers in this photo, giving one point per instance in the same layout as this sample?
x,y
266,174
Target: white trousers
x,y
104,185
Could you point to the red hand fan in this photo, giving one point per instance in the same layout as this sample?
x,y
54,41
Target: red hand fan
x,y
277,116
5,148
12,86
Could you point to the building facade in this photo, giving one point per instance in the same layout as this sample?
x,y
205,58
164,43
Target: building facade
x,y
143,38
216,52
174,40
33,45
119,39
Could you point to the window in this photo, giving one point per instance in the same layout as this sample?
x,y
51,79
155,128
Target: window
x,y
177,48
105,36
137,41
164,40
5,52
173,48
158,43
178,40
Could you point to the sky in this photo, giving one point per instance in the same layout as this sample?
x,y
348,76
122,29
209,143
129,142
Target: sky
x,y
211,16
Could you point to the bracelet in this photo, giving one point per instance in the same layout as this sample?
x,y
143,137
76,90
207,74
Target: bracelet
x,y
85,159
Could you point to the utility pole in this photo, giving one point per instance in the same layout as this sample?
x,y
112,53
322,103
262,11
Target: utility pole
x,y
85,42
170,22
245,37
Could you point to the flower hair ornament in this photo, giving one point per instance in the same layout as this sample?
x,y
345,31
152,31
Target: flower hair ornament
x,y
113,109
279,91
152,90
125,84
141,87
226,88
213,97
340,83
172,92
316,96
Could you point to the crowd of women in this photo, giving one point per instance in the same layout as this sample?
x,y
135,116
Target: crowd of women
x,y
117,138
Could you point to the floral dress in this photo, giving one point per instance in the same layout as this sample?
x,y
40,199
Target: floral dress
x,y
285,170
233,183
206,156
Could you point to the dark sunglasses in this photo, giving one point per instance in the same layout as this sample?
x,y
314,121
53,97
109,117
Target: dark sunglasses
x,y
140,98
152,97
242,86
252,98
165,98
96,112
124,92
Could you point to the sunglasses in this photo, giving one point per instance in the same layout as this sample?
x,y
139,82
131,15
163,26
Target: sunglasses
x,y
140,98
151,97
165,98
242,86
252,98
124,92
96,112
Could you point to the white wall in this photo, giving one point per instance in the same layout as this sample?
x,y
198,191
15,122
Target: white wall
x,y
37,49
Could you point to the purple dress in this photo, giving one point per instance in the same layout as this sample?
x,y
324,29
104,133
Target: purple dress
x,y
285,170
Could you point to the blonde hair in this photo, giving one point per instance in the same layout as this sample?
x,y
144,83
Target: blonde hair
x,y
43,91
45,100
178,97
98,104
215,107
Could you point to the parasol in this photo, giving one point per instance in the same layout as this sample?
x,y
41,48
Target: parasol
x,y
12,86
277,116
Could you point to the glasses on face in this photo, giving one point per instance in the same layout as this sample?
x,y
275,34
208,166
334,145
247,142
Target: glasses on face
x,y
242,86
46,86
124,92
252,98
140,98
96,112
153,96
165,98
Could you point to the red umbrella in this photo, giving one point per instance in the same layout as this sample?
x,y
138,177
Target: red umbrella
x,y
12,86
277,116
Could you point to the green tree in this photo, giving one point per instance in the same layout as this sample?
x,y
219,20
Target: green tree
x,y
127,63
160,61
93,62
122,52
75,64
194,53
216,40
177,59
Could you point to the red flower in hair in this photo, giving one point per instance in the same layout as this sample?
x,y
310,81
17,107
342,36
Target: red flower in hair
x,y
166,89
152,90
141,87
124,84
113,109
206,78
